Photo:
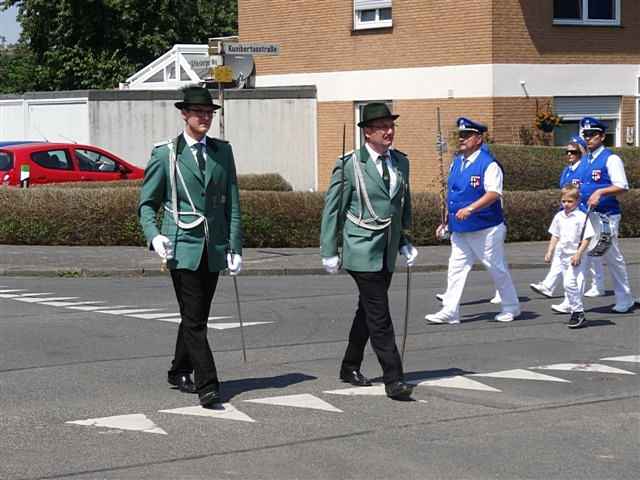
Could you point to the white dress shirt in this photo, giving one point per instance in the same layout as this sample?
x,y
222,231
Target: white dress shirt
x,y
393,176
568,228
191,143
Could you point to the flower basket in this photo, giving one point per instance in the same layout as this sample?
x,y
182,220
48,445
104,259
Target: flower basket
x,y
546,120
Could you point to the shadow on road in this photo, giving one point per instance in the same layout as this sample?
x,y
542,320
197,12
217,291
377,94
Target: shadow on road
x,y
232,388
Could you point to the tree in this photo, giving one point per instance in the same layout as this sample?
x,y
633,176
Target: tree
x,y
80,44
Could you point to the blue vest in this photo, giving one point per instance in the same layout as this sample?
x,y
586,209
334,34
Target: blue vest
x,y
465,187
574,176
595,175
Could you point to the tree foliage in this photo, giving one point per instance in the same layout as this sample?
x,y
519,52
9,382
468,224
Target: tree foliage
x,y
80,44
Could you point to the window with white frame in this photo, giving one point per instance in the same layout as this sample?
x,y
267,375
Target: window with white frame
x,y
371,14
586,12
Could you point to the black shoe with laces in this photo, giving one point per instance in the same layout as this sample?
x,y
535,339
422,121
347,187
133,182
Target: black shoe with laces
x,y
577,320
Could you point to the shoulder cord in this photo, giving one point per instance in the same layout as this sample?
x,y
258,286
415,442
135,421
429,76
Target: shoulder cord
x,y
375,222
173,209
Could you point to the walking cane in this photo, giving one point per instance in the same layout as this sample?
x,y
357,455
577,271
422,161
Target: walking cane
x,y
406,314
244,349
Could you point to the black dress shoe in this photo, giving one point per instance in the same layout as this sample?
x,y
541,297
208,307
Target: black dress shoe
x,y
354,377
183,382
210,398
398,390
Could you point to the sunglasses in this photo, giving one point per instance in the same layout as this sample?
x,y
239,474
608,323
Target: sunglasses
x,y
590,133
466,134
573,152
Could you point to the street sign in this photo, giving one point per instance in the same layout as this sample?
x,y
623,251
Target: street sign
x,y
223,74
237,48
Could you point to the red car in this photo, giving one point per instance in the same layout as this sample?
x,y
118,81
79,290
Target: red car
x,y
62,162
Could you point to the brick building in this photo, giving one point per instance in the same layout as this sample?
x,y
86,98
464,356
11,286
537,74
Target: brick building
x,y
496,61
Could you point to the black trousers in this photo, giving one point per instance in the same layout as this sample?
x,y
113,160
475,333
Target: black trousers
x,y
194,291
373,321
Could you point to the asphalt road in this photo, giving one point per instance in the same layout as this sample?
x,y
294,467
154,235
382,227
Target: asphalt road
x,y
83,390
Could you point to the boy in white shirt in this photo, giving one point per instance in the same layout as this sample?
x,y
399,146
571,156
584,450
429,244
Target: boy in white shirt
x,y
570,232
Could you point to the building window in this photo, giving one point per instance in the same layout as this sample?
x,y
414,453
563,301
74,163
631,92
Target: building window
x,y
586,12
371,14
572,109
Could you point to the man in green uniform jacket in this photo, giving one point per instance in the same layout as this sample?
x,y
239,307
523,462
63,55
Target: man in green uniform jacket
x,y
369,196
192,178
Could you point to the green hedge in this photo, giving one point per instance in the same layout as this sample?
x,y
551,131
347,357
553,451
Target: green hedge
x,y
107,216
266,181
539,168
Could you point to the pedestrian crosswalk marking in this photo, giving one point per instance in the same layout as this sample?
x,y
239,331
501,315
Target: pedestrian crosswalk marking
x,y
584,367
154,316
42,299
35,294
226,326
178,319
135,421
303,400
458,381
626,358
127,311
71,304
521,374
224,411
93,308
13,290
375,390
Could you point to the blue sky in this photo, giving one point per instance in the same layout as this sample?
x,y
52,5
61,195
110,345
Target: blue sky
x,y
9,28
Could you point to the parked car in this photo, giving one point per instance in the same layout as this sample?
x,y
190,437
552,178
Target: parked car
x,y
63,162
4,143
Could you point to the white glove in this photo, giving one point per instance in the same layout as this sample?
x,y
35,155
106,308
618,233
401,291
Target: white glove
x,y
410,253
442,232
234,263
331,264
162,246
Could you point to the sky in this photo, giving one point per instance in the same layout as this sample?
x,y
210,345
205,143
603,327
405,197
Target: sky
x,y
9,28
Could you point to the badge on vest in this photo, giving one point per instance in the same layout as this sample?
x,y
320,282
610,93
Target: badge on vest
x,y
475,181
596,175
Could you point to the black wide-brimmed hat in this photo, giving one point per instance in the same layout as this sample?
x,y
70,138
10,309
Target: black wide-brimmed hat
x,y
375,111
194,95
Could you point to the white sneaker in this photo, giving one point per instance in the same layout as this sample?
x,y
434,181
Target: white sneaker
x,y
561,308
497,299
594,292
622,308
541,289
440,296
442,317
506,316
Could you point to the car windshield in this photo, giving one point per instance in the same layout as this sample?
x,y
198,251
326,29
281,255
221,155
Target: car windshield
x,y
6,161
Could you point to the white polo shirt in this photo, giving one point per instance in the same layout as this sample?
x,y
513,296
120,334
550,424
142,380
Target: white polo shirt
x,y
568,227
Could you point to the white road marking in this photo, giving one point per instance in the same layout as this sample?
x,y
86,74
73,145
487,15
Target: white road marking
x,y
377,389
71,304
224,411
303,400
136,422
91,309
9,295
584,367
626,358
35,294
13,290
43,299
458,381
127,311
226,326
521,374
154,316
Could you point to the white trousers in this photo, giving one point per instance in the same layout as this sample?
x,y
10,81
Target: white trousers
x,y
487,246
573,282
617,267
593,267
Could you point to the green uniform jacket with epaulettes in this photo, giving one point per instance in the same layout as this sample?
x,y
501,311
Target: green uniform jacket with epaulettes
x,y
215,195
363,249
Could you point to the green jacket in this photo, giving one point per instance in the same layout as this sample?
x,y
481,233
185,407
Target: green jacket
x,y
363,249
215,196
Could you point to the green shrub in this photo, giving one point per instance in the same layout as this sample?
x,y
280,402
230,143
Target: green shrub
x,y
107,216
539,168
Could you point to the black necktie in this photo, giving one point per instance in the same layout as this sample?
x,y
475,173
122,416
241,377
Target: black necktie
x,y
386,178
200,156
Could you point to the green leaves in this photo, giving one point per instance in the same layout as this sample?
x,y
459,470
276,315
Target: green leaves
x,y
85,44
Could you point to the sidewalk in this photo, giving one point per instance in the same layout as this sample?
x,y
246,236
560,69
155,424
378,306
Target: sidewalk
x,y
61,261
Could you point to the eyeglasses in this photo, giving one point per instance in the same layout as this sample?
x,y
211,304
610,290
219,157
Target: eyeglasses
x,y
590,133
464,134
202,112
384,127
573,152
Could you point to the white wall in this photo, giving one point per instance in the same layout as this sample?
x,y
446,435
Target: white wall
x,y
12,120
